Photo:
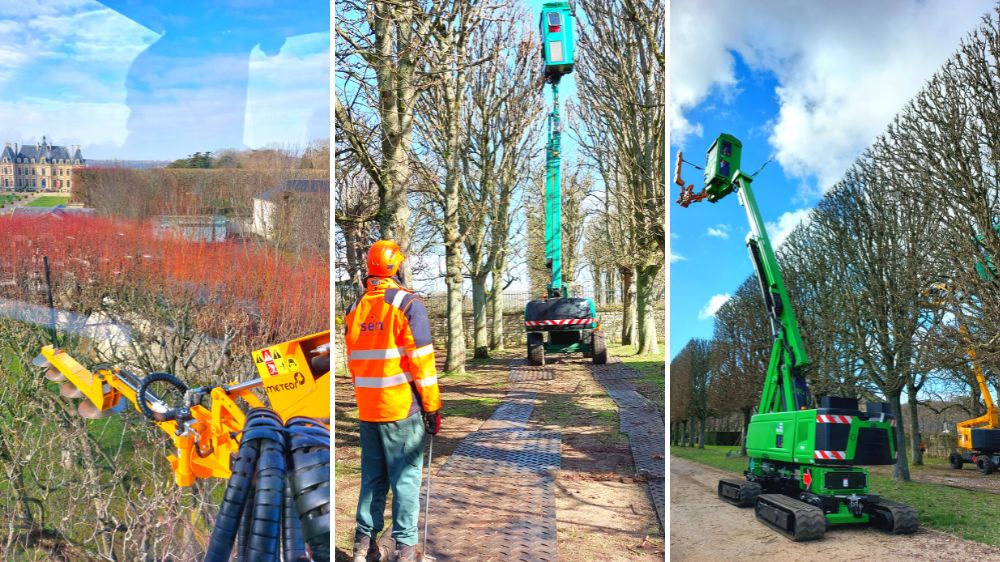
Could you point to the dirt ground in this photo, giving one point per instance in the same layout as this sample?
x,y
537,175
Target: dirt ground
x,y
968,478
603,512
703,528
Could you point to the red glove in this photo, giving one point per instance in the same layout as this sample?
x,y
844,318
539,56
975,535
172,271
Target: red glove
x,y
432,421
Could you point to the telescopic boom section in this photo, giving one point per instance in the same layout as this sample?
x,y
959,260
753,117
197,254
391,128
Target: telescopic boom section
x,y
785,387
553,198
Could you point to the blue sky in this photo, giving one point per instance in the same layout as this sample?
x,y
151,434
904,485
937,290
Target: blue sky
x,y
162,79
812,88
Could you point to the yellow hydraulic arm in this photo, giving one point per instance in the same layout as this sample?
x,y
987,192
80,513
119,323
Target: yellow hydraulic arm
x,y
293,374
990,419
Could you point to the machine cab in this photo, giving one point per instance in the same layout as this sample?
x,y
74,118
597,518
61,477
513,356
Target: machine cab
x,y
556,29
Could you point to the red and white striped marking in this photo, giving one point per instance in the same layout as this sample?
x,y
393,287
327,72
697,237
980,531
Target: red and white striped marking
x,y
565,322
825,418
830,455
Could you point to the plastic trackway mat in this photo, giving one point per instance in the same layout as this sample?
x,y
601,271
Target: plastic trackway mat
x,y
494,500
504,452
641,421
522,374
492,519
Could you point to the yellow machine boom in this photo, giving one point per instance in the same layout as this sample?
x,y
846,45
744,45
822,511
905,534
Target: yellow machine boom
x,y
989,420
294,375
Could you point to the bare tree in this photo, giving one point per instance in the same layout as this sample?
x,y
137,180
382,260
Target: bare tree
x,y
741,350
383,47
620,76
502,123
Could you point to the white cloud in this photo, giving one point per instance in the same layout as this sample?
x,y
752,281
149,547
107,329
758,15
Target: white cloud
x,y
843,73
288,95
786,223
713,306
719,231
676,257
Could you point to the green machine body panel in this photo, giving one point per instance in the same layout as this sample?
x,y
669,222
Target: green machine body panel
x,y
556,29
800,448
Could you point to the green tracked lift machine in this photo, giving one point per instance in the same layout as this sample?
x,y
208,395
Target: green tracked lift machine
x,y
570,322
801,476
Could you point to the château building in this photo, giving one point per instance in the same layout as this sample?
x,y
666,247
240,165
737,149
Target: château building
x,y
39,167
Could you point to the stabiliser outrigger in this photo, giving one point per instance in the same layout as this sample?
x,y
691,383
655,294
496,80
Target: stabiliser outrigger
x,y
276,459
800,477
570,322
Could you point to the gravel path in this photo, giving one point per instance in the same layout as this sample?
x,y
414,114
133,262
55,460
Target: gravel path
x,y
702,527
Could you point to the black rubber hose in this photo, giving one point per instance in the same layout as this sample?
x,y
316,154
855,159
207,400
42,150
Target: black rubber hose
x,y
141,396
309,449
237,491
243,538
293,544
265,532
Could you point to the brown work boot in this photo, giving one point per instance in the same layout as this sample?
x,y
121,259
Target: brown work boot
x,y
407,553
365,549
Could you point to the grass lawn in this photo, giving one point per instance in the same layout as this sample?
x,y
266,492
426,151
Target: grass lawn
x,y
651,385
49,201
5,198
961,512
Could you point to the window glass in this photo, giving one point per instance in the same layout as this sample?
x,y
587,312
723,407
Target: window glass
x,y
554,19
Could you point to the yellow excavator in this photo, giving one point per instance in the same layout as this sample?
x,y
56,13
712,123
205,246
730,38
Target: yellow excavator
x,y
275,455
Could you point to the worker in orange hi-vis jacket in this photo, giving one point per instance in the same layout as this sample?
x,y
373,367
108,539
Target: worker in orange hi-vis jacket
x,y
391,360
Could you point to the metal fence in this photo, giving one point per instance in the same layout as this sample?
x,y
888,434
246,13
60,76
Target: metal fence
x,y
513,301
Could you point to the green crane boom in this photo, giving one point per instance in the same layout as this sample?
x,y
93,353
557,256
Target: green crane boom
x,y
558,323
799,476
553,199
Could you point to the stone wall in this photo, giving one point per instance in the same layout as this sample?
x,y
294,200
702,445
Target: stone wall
x,y
513,327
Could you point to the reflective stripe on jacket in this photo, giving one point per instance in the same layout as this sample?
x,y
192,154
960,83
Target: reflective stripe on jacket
x,y
390,354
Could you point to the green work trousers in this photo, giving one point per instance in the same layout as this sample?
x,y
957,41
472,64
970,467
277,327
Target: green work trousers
x,y
392,455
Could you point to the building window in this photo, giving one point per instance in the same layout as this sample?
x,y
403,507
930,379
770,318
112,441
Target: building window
x,y
68,183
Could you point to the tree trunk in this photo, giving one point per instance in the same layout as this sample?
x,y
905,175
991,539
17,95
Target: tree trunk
x,y
496,315
480,336
691,430
455,344
609,277
645,287
701,434
598,286
628,306
901,470
911,399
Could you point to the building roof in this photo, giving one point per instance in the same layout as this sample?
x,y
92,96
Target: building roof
x,y
42,150
58,211
296,186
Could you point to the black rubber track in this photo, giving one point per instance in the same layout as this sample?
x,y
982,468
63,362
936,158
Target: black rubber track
x,y
600,348
536,348
792,518
894,517
747,492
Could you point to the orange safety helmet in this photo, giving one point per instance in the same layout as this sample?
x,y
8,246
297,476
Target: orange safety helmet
x,y
384,259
